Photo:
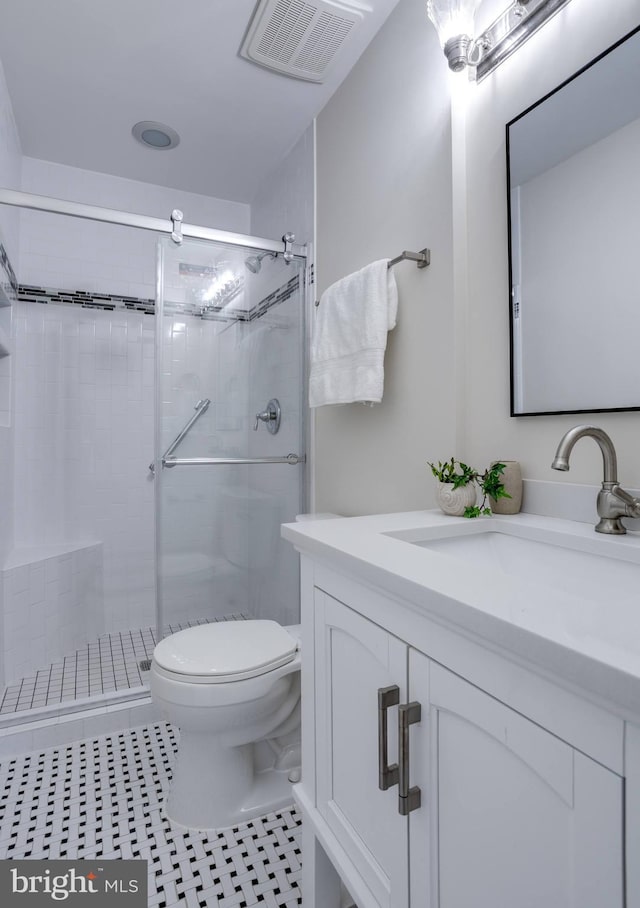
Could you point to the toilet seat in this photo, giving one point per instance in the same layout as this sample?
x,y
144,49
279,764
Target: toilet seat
x,y
225,651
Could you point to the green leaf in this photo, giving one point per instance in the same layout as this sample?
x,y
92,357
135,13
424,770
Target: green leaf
x,y
454,472
491,482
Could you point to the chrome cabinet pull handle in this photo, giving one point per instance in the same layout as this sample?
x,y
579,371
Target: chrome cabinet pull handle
x,y
408,798
387,775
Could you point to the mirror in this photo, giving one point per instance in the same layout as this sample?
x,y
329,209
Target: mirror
x,y
573,177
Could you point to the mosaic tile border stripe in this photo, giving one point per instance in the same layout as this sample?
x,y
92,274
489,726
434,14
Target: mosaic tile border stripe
x,y
29,293
274,299
109,302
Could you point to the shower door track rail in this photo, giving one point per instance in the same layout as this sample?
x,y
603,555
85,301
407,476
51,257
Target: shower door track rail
x,y
143,222
291,459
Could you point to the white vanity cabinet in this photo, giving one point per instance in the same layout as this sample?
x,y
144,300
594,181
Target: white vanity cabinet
x,y
354,659
519,818
511,814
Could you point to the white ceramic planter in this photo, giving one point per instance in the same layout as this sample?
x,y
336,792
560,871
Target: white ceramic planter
x,y
454,501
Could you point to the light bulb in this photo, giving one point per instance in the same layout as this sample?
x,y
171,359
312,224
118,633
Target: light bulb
x,y
454,22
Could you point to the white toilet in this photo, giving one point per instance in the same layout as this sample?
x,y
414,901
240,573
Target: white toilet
x,y
233,690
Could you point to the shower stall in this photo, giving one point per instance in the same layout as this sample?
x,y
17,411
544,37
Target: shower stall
x,y
236,338
159,444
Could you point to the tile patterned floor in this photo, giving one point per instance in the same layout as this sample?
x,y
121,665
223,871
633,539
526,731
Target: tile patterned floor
x,y
111,663
102,797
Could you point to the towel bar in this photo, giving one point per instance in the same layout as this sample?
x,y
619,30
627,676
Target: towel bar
x,y
422,259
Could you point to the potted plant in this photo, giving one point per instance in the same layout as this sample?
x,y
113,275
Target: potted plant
x,y
458,486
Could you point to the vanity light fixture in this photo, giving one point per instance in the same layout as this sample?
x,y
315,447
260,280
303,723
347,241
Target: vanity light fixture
x,y
454,21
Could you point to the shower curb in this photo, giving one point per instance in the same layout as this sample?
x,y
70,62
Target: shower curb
x,y
53,726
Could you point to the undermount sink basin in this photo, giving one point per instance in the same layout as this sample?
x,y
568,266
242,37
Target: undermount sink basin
x,y
595,569
551,590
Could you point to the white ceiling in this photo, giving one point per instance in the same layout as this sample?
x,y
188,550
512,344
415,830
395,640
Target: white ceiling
x,y
82,72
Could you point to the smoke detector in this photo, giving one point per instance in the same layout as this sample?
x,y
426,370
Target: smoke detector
x,y
300,38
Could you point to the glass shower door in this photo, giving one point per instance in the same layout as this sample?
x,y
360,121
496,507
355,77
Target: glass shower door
x,y
229,459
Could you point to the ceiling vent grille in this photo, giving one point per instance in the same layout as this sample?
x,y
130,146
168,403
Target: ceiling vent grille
x,y
300,38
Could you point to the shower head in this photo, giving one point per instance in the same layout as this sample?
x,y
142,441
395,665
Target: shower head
x,y
254,262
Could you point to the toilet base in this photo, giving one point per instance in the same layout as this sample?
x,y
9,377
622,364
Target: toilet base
x,y
214,788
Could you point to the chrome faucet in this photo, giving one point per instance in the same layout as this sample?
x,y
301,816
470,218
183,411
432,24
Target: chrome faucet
x,y
613,501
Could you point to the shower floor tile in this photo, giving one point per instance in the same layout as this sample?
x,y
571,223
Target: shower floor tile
x,y
102,797
111,663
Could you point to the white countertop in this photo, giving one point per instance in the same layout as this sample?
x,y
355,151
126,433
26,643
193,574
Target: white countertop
x,y
591,643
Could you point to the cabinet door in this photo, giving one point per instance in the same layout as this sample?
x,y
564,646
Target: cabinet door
x,y
518,818
632,812
354,658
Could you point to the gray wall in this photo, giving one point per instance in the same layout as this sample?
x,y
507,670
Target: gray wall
x,y
411,155
384,185
583,29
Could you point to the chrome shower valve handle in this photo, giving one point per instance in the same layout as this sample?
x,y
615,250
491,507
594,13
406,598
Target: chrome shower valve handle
x,y
270,416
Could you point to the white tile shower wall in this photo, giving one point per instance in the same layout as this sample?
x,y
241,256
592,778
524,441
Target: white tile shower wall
x,y
203,545
220,524
10,172
84,439
10,176
276,371
286,202
2,668
52,605
84,408
84,423
74,254
6,369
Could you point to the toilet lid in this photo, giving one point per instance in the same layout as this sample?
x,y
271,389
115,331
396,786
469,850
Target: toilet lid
x,y
226,650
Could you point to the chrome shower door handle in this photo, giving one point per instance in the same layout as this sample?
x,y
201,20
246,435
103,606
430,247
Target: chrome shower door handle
x,y
387,775
200,408
408,798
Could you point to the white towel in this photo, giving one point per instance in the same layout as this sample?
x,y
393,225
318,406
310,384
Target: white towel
x,y
350,337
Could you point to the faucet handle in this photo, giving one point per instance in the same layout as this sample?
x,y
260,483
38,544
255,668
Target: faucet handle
x,y
613,503
632,503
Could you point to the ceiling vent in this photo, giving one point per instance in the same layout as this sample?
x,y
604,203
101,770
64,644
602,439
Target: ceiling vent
x,y
300,38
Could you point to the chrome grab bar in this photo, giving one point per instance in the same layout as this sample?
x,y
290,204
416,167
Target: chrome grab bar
x,y
291,459
200,408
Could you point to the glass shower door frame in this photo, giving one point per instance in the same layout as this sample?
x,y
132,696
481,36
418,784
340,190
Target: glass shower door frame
x,y
160,463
